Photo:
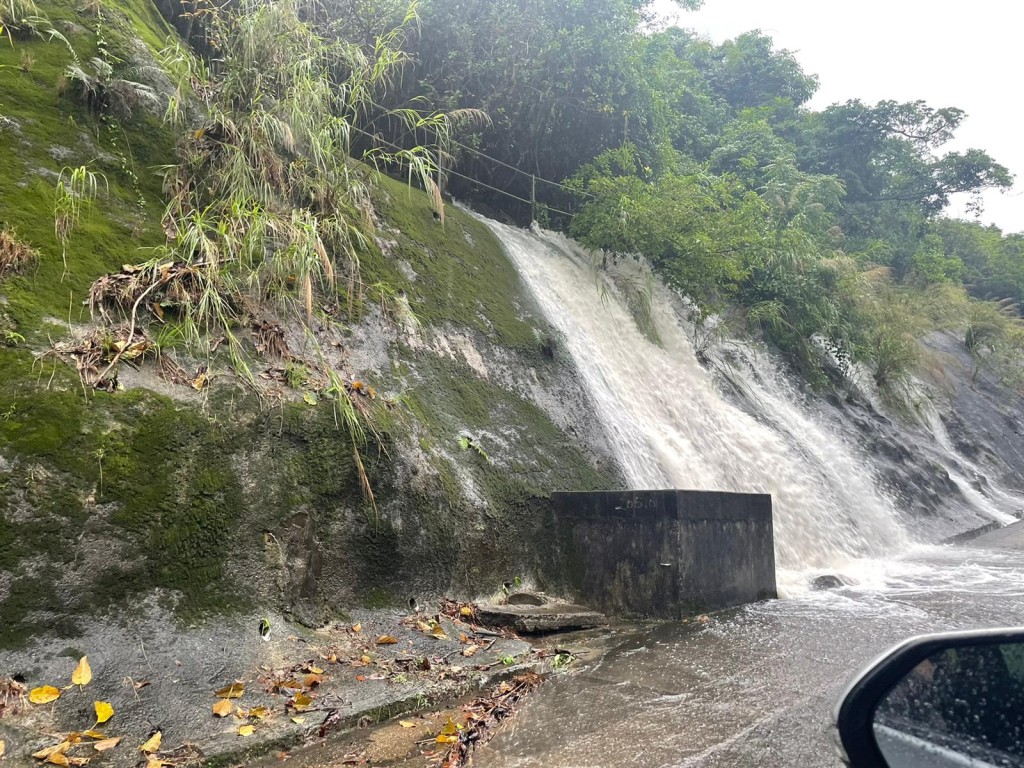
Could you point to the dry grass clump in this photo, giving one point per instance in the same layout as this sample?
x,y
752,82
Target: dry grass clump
x,y
15,255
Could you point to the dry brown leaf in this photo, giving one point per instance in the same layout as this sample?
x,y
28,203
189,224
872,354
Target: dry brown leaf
x,y
3,747
233,691
246,730
93,734
223,708
44,754
312,681
83,672
407,723
103,711
422,626
298,720
357,628
44,694
258,712
152,743
463,638
361,678
58,758
366,659
470,650
301,701
141,684
103,746
79,760
73,738
387,640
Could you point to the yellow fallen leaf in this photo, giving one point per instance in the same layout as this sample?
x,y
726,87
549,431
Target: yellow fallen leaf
x,y
83,672
447,739
223,708
152,743
78,760
155,763
44,694
93,734
315,670
438,632
422,626
103,746
258,712
103,711
3,747
301,701
366,659
246,730
233,691
73,738
58,758
407,723
357,628
465,611
298,720
387,640
44,754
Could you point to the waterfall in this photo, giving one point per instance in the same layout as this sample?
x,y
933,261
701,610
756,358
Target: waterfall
x,y
671,427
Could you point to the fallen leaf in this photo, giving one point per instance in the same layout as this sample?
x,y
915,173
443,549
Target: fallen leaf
x,y
387,640
83,672
58,758
44,754
44,694
223,708
258,712
312,681
422,626
469,651
152,744
357,628
73,738
298,720
103,711
93,734
465,611
407,723
463,638
79,760
438,632
3,747
310,398
103,746
246,730
301,701
449,734
233,691
361,678
315,670
366,659
141,684
155,762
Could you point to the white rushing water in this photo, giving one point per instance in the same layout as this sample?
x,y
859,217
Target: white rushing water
x,y
672,428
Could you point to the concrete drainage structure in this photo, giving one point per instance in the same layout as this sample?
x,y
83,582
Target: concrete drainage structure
x,y
666,554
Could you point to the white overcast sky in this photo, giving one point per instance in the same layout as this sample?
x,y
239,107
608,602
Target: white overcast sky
x,y
965,54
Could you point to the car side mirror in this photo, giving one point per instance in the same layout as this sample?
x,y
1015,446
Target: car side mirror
x,y
954,699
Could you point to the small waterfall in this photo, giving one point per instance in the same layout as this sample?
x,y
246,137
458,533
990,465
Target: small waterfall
x,y
672,428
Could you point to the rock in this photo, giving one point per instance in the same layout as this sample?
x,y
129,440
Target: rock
x,y
527,598
831,581
535,619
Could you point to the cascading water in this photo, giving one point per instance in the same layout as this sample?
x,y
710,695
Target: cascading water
x,y
672,428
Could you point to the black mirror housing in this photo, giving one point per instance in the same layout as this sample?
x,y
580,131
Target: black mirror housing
x,y
855,713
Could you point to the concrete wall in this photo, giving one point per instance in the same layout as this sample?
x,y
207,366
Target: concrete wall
x,y
666,554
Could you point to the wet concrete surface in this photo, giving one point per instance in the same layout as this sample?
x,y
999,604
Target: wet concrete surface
x,y
158,676
754,686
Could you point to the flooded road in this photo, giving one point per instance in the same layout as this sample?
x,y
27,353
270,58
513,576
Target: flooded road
x,y
754,686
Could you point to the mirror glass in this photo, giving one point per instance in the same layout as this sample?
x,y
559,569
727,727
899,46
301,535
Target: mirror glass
x,y
962,706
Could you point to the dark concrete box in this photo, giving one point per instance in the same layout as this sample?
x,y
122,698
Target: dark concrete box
x,y
667,554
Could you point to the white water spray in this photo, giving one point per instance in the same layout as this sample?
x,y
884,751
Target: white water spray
x,y
671,428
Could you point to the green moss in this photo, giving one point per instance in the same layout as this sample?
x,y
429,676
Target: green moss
x,y
462,274
53,132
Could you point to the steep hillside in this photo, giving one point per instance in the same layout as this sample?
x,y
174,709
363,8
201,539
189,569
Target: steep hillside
x,y
221,497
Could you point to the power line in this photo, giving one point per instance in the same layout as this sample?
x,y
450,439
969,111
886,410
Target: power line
x,y
470,179
484,155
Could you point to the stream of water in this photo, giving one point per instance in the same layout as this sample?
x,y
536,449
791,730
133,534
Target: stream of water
x,y
755,686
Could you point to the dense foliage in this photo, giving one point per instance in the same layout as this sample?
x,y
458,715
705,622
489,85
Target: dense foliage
x,y
823,230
